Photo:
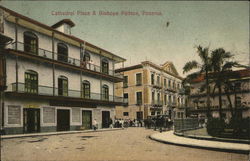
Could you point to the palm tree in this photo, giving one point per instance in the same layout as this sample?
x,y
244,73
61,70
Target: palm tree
x,y
221,64
204,67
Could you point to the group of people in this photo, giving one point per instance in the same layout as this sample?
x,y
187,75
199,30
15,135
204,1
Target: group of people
x,y
121,123
159,122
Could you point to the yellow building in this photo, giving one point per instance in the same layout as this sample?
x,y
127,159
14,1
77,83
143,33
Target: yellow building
x,y
151,90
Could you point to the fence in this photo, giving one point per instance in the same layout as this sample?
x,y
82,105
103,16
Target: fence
x,y
181,125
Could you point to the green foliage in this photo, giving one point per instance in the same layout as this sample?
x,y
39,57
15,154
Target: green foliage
x,y
215,126
241,127
238,128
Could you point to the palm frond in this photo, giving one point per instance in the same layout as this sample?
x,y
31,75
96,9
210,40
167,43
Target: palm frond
x,y
190,65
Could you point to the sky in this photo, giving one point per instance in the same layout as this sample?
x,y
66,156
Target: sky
x,y
169,35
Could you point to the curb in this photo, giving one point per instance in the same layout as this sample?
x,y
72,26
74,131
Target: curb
x,y
55,133
240,151
213,138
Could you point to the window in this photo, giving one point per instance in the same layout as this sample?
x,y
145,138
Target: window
x,y
174,85
31,82
153,97
125,83
169,83
138,79
86,89
125,114
86,57
158,80
105,92
152,113
237,86
30,42
158,113
165,83
178,86
63,86
152,79
105,66
238,101
62,51
158,98
138,98
169,99
165,99
125,95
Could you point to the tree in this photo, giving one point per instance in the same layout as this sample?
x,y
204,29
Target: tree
x,y
221,65
204,67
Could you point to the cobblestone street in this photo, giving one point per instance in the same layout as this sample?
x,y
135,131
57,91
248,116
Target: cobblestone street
x,y
128,144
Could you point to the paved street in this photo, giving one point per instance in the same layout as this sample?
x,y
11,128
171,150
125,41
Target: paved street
x,y
128,144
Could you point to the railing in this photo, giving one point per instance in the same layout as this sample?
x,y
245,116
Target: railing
x,y
62,58
48,91
157,103
172,103
181,125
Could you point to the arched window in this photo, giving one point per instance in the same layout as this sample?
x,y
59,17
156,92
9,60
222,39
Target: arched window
x,y
105,66
30,42
85,89
105,92
62,51
86,57
31,82
62,86
152,79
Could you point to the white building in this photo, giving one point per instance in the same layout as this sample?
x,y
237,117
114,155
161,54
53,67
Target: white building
x,y
55,81
238,95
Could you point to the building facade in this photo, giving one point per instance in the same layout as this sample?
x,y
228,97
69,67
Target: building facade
x,y
151,90
238,95
54,81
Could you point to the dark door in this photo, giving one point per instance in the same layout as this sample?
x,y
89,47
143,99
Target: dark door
x,y
139,115
31,120
105,119
63,120
87,119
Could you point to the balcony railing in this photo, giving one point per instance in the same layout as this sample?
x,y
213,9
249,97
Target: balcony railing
x,y
48,91
172,103
64,59
157,103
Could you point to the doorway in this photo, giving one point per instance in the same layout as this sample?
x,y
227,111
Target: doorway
x,y
31,120
87,119
139,115
63,120
105,119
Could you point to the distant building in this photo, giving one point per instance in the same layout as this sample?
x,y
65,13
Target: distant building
x,y
52,80
151,90
239,95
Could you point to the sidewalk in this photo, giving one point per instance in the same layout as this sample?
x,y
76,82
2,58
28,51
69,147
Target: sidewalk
x,y
56,133
170,138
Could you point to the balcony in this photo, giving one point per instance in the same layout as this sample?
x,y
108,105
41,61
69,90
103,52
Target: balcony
x,y
172,104
64,59
157,103
171,89
48,91
157,85
181,91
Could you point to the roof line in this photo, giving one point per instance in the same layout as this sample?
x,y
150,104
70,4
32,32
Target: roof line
x,y
52,29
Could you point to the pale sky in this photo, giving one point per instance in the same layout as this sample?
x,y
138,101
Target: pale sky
x,y
139,38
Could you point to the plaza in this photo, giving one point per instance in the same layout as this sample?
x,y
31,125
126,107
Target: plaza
x,y
128,144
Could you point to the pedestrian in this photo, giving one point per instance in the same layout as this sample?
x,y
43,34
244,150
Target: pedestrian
x,y
95,124
122,123
110,123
